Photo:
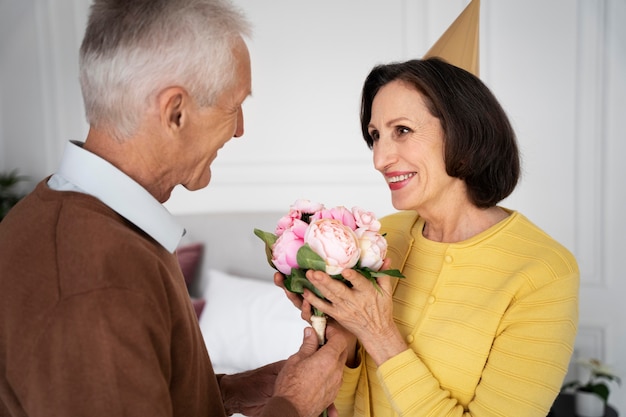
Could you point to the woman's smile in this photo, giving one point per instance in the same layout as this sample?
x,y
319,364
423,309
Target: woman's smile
x,y
397,180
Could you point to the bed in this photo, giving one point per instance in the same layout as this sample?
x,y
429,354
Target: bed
x,y
245,319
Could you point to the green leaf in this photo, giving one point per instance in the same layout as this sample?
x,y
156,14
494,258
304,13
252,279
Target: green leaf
x,y
390,272
371,275
269,239
296,282
600,390
366,272
318,313
308,259
9,179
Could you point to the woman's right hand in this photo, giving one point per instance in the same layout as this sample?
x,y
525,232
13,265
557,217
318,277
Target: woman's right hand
x,y
306,312
365,311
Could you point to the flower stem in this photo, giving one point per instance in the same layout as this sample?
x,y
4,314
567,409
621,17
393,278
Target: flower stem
x,y
318,322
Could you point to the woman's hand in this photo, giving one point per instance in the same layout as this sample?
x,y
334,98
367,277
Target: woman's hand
x,y
363,310
306,312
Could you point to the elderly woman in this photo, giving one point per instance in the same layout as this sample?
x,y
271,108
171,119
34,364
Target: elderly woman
x,y
485,320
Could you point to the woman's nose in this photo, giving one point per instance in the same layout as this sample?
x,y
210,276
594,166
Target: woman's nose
x,y
384,154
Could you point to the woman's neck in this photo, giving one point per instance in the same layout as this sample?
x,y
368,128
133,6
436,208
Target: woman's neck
x,y
460,225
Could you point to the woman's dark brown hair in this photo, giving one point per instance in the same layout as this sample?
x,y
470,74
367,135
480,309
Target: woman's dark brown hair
x,y
479,142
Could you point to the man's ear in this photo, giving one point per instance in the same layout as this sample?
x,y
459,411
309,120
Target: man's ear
x,y
173,103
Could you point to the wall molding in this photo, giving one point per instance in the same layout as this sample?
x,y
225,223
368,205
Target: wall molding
x,y
591,342
280,172
10,13
47,50
590,139
59,33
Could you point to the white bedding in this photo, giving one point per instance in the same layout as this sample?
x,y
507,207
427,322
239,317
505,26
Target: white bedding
x,y
247,323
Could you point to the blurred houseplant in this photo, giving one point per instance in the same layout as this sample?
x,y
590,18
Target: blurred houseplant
x,y
9,195
592,395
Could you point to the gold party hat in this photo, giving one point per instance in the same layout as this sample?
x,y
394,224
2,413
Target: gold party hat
x,y
459,43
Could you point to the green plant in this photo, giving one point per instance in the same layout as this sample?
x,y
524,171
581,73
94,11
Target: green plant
x,y
9,196
599,374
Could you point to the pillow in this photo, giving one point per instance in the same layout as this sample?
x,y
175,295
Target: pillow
x,y
247,323
198,305
189,257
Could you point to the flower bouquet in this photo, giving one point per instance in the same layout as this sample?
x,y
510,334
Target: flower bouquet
x,y
310,236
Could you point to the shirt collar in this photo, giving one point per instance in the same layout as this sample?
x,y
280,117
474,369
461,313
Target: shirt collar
x,y
99,178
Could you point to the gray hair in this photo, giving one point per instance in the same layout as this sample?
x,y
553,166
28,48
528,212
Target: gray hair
x,y
134,48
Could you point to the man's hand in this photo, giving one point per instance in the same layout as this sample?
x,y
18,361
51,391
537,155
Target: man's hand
x,y
311,378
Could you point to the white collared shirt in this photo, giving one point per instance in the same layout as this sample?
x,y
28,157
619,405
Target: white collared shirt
x,y
85,172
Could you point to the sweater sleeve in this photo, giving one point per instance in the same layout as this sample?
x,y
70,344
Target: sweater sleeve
x,y
524,370
344,402
279,406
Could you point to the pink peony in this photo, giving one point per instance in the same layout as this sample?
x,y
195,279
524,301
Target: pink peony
x,y
365,219
373,249
340,213
286,248
306,206
296,211
286,222
334,242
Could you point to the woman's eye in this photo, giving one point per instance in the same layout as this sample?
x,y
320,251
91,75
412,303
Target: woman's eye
x,y
375,135
403,130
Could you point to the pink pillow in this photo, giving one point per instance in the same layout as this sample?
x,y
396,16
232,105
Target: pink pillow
x,y
198,305
189,257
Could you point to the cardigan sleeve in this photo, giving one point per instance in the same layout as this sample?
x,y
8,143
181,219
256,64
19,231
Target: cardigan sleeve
x,y
525,368
344,402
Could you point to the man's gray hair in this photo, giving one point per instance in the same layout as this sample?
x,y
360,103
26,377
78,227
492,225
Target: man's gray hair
x,y
134,48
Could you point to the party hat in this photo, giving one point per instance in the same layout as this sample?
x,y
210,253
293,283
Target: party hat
x,y
459,43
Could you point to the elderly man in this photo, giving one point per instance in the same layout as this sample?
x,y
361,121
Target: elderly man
x,y
95,319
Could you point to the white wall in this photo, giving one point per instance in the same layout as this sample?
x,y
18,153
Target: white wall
x,y
558,67
39,92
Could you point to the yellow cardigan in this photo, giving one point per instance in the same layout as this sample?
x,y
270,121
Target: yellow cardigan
x,y
490,323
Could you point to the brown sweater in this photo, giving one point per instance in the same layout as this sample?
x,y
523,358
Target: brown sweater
x,y
95,318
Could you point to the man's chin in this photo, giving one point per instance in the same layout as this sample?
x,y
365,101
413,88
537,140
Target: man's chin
x,y
197,185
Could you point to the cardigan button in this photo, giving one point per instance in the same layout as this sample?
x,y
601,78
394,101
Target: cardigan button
x,y
410,338
448,259
431,299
